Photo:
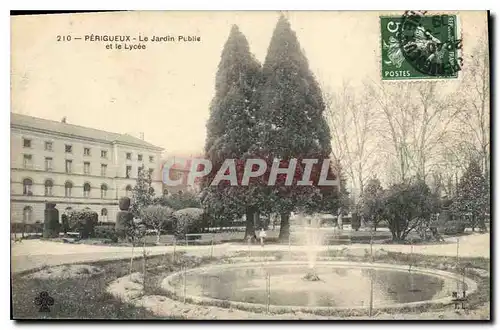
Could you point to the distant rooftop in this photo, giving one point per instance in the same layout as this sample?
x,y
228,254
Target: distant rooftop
x,y
63,128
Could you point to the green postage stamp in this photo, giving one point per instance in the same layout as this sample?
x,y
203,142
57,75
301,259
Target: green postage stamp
x,y
417,45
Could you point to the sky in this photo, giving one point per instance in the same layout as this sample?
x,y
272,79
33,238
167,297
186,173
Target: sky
x,y
165,90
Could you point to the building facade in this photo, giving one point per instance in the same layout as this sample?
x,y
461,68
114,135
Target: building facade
x,y
75,167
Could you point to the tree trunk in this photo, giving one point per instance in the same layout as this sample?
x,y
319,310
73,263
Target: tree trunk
x,y
250,228
284,226
158,237
257,221
482,223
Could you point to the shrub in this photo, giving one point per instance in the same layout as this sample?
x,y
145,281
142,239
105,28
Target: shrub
x,y
107,232
124,223
453,228
188,221
156,217
83,222
64,223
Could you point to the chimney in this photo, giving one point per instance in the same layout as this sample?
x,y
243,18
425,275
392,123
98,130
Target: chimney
x,y
141,135
63,120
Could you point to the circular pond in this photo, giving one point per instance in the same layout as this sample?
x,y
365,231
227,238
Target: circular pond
x,y
341,285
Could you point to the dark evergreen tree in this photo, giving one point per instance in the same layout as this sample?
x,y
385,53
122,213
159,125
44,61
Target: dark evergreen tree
x,y
232,130
473,197
143,194
292,122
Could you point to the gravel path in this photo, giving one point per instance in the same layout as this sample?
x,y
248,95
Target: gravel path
x,y
31,254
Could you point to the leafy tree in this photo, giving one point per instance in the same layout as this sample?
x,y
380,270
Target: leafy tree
x,y
232,129
292,124
188,221
142,193
473,196
180,200
408,206
156,217
372,203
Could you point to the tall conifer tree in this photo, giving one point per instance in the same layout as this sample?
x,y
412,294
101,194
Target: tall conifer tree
x,y
292,120
231,128
473,196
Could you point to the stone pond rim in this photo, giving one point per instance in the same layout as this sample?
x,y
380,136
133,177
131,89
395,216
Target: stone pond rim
x,y
168,287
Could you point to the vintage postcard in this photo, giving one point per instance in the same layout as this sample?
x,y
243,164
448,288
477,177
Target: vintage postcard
x,y
205,165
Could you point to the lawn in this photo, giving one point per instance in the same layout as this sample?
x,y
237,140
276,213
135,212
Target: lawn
x,y
78,298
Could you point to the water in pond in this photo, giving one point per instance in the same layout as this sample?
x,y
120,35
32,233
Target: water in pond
x,y
338,287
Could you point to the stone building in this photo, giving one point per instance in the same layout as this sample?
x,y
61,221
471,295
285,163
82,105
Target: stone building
x,y
75,167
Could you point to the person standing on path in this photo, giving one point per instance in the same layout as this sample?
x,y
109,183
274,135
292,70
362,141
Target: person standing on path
x,y
262,235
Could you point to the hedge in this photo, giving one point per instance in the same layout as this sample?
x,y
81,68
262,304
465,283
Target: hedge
x,y
107,232
28,228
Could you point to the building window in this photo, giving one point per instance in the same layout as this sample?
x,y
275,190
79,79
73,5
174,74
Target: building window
x,y
27,185
68,148
48,163
139,157
151,159
104,167
104,154
28,161
86,168
128,171
27,214
27,143
48,187
86,190
129,155
68,186
48,145
69,164
86,151
104,190
128,191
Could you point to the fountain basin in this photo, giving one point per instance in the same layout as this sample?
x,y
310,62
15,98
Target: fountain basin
x,y
342,285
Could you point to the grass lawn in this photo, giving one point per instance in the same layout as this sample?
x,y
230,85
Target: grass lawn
x,y
79,298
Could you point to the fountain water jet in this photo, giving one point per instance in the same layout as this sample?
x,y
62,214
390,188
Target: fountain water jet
x,y
309,233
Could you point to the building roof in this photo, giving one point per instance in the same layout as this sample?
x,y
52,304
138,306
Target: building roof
x,y
40,124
